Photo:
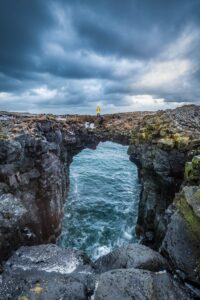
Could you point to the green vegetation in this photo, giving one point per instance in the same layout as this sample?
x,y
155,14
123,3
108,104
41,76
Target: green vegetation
x,y
192,171
192,221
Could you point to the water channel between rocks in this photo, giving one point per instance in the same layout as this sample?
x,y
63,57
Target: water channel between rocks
x,y
102,204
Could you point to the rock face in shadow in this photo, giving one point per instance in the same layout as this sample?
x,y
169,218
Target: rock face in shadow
x,y
12,216
166,147
160,146
35,155
182,240
34,179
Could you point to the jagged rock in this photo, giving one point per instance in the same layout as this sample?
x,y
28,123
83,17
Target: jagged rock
x,y
138,284
192,196
47,272
132,256
182,247
12,214
182,240
35,155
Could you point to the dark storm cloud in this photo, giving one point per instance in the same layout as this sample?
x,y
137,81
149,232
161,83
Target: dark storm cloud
x,y
76,53
132,28
22,24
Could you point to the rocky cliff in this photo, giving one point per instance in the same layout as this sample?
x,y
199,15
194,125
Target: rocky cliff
x,y
181,244
165,147
35,155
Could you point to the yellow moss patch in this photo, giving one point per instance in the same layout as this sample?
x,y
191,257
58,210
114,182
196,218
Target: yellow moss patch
x,y
166,142
180,140
37,289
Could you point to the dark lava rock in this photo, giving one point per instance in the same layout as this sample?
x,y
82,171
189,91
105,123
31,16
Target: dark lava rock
x,y
182,240
139,285
12,213
47,272
182,247
131,256
160,146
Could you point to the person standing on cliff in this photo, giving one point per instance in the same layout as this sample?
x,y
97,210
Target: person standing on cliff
x,y
98,110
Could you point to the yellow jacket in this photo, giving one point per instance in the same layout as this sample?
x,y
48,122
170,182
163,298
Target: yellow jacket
x,y
98,109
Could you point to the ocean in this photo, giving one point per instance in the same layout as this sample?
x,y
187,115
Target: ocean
x,y
102,204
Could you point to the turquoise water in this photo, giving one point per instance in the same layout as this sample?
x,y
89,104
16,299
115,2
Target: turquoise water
x,y
101,208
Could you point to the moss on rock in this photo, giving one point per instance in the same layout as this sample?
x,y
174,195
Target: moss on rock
x,y
192,221
196,162
192,171
160,129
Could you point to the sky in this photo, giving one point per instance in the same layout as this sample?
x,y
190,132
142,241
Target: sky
x,y
67,56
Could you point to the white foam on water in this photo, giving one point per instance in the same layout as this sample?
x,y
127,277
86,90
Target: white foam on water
x,y
102,250
75,177
127,235
161,272
85,272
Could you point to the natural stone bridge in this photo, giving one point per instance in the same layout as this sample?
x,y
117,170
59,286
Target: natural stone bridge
x,y
35,155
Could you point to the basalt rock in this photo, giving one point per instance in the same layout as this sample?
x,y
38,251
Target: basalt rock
x,y
132,256
35,155
166,147
160,146
47,272
138,284
34,171
182,240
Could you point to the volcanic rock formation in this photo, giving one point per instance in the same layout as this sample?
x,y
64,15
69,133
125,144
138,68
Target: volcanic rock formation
x,y
35,155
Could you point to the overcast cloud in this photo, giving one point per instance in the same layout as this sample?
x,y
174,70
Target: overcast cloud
x,y
68,56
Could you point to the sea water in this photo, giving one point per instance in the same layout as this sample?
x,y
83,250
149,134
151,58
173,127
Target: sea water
x,y
102,204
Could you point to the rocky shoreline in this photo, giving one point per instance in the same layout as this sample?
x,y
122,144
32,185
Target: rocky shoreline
x,y
35,155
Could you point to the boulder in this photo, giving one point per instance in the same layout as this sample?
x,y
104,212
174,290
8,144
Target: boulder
x,y
139,285
47,272
131,256
182,247
12,220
